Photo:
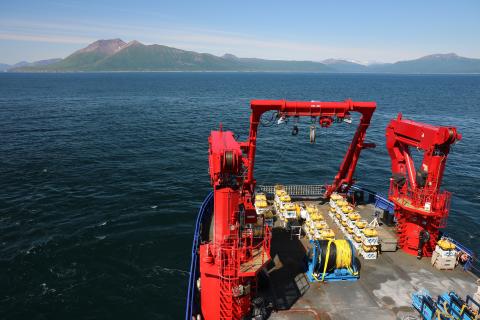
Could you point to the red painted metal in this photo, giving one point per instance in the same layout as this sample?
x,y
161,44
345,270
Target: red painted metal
x,y
420,206
237,250
340,110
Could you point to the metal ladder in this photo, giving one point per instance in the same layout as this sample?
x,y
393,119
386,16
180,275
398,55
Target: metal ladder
x,y
228,278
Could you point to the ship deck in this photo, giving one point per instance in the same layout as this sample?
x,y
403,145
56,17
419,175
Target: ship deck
x,y
382,292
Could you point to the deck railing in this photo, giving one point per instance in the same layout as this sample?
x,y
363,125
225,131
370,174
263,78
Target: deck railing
x,y
296,189
250,246
438,202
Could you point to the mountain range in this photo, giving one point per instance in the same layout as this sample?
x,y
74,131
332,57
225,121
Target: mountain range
x,y
117,55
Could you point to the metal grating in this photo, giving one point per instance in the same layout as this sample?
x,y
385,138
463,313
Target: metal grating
x,y
296,189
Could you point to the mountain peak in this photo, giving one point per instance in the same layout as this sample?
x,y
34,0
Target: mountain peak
x,y
230,56
340,61
440,56
134,43
109,46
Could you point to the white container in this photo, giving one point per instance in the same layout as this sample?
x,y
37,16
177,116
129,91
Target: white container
x,y
369,241
351,223
369,255
261,211
357,232
304,214
445,253
443,263
428,206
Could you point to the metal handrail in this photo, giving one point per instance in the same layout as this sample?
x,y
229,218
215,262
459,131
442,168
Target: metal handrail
x,y
439,202
296,189
204,209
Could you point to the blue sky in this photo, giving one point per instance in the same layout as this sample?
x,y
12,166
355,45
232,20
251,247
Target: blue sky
x,y
360,30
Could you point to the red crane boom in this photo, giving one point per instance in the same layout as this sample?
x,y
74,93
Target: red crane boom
x,y
421,208
237,248
325,111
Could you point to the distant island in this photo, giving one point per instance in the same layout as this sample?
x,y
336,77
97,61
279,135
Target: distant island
x,y
117,55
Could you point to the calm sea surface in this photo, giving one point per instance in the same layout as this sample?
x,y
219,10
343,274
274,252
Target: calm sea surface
x,y
101,175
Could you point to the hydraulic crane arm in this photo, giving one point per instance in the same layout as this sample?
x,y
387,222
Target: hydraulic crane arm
x,y
434,141
421,208
325,111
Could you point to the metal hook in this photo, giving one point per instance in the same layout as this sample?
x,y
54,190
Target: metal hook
x,y
312,134
295,130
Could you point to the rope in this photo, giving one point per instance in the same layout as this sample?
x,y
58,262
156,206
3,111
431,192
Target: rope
x,y
444,312
326,260
335,254
344,256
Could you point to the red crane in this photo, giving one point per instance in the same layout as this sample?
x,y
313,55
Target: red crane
x,y
237,248
421,208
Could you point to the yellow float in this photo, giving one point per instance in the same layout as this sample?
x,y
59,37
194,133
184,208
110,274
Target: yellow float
x,y
444,244
260,197
320,225
354,216
316,217
336,196
261,204
279,189
369,248
361,224
370,232
327,234
347,209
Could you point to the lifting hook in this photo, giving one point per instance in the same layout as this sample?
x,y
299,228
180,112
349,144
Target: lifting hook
x,y
295,130
295,127
312,134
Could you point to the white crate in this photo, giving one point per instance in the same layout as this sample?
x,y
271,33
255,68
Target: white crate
x,y
261,211
445,253
369,255
370,241
351,223
290,214
357,232
304,214
332,203
443,263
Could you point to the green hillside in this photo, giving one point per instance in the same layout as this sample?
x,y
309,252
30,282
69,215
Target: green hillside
x,y
116,55
139,57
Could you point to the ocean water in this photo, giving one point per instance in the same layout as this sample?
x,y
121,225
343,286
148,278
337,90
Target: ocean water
x,y
101,175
